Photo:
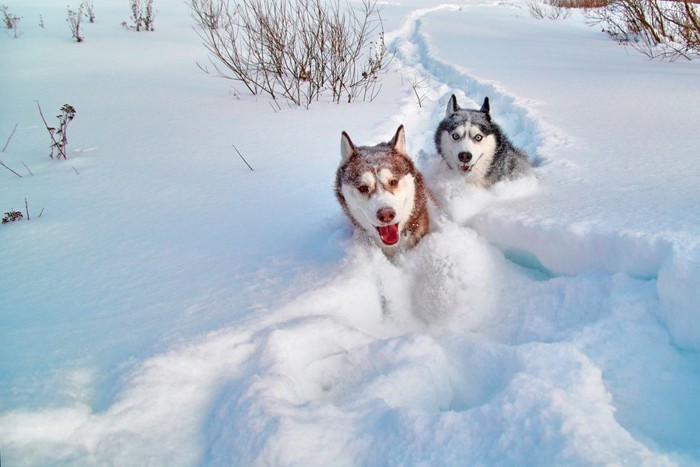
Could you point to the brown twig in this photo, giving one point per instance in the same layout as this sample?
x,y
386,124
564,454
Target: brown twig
x,y
239,153
3,164
28,169
8,139
26,207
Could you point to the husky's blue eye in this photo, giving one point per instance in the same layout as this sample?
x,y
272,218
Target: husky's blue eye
x,y
455,136
478,138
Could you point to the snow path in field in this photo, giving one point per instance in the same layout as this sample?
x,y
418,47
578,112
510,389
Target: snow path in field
x,y
438,80
568,249
548,247
457,353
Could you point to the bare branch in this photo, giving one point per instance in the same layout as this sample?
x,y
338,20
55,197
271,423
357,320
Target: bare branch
x,y
9,138
3,164
239,153
28,170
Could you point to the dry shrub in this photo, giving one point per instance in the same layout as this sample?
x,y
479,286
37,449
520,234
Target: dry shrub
x,y
549,9
75,21
143,15
656,28
561,9
582,3
10,20
667,30
295,49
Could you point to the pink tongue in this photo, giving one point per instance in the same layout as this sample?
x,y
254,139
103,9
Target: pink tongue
x,y
389,234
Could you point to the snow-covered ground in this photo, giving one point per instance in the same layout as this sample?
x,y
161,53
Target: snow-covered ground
x,y
171,307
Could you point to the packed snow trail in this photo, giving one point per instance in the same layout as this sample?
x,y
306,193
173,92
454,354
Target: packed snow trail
x,y
547,249
440,80
460,352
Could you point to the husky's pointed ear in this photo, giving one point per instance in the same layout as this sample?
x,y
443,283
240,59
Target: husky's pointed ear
x,y
398,142
346,147
452,106
485,107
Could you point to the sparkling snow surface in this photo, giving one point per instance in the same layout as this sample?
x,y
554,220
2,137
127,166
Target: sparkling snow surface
x,y
171,307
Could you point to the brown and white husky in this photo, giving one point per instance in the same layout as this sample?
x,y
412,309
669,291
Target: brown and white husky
x,y
382,193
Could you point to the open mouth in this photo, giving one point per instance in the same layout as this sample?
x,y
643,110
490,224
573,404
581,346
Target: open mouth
x,y
467,166
389,234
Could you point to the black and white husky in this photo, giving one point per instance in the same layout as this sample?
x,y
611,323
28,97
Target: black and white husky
x,y
472,143
382,193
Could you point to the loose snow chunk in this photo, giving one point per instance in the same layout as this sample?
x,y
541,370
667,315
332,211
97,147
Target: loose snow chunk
x,y
679,292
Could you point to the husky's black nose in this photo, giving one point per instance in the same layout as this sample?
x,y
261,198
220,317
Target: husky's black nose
x,y
386,215
464,157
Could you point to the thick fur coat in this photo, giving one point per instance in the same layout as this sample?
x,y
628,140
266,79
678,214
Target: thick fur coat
x,y
382,193
472,143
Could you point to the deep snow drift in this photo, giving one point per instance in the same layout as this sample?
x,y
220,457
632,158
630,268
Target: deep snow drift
x,y
171,307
